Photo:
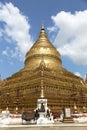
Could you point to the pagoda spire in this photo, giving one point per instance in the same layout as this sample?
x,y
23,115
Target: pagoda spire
x,y
43,34
42,27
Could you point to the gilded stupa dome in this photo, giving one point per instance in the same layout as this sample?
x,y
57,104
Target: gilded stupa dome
x,y
43,49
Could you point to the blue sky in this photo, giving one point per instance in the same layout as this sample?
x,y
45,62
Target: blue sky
x,y
65,23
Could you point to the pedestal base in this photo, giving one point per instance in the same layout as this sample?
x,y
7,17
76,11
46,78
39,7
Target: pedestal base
x,y
68,120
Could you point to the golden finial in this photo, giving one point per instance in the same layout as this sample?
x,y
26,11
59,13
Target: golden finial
x,y
75,107
16,109
84,109
42,27
7,109
42,32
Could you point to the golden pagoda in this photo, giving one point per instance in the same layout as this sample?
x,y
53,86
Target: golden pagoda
x,y
43,67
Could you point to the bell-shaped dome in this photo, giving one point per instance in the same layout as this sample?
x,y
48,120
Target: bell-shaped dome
x,y
43,49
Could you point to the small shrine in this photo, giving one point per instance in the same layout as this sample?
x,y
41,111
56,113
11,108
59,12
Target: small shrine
x,y
44,113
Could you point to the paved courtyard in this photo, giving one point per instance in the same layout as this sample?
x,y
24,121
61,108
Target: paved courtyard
x,y
49,127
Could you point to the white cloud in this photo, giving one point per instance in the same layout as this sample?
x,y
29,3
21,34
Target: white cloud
x,y
16,27
77,74
1,32
71,38
9,52
51,29
5,53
